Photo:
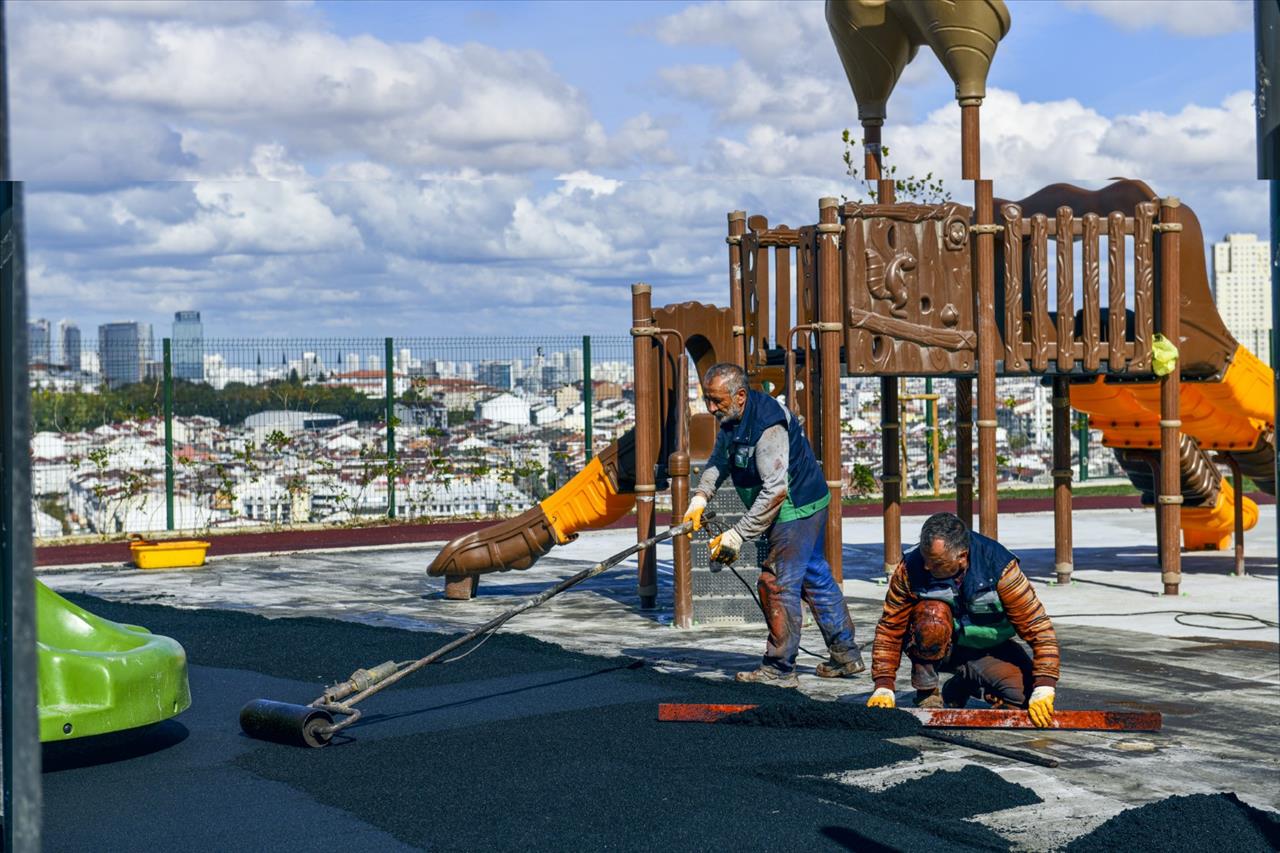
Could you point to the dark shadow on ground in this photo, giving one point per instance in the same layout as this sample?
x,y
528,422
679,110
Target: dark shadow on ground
x,y
111,747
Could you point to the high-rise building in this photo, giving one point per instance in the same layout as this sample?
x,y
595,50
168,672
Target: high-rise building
x,y
69,344
38,348
1242,290
498,374
123,352
188,346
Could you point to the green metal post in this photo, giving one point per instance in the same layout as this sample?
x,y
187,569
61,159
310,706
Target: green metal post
x,y
389,370
168,435
587,391
1082,435
929,411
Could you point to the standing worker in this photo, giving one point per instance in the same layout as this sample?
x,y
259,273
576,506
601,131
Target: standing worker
x,y
958,599
761,447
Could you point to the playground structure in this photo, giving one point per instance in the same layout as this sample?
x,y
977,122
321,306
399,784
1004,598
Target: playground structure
x,y
98,676
946,291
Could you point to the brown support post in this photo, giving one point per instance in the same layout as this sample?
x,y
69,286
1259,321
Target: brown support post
x,y
871,135
737,227
964,450
970,147
646,405
1169,497
1062,554
890,435
678,470
830,336
678,467
984,310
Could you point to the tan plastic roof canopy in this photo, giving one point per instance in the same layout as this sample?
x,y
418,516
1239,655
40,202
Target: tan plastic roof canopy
x,y
877,38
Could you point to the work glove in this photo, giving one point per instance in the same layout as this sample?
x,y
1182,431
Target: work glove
x,y
697,505
1040,708
882,697
725,547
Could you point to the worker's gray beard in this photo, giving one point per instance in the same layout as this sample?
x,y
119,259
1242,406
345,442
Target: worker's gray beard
x,y
730,417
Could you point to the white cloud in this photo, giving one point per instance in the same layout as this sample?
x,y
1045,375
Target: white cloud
x,y
134,93
788,72
1183,17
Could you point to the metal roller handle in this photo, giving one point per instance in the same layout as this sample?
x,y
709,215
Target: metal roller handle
x,y
328,703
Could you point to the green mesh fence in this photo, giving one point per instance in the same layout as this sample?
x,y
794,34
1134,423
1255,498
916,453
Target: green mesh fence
x,y
296,431
283,432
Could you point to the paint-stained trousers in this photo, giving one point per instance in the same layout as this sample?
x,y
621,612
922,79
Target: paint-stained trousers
x,y
796,568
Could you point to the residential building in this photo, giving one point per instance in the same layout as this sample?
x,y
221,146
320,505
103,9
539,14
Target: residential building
x,y
1242,290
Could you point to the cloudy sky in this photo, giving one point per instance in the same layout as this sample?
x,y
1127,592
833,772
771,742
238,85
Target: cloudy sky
x,y
431,169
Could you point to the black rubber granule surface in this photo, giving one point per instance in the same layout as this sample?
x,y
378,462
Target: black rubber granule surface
x,y
525,745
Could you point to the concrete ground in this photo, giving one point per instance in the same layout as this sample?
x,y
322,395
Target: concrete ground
x,y
1125,646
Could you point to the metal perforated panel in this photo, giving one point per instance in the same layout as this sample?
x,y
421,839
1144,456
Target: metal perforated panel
x,y
719,597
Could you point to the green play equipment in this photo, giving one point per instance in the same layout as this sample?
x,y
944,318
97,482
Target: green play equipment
x,y
98,676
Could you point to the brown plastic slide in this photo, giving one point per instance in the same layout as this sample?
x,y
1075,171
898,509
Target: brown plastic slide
x,y
597,496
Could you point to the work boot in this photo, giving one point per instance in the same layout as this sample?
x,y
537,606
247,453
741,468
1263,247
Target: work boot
x,y
928,699
956,692
769,675
841,666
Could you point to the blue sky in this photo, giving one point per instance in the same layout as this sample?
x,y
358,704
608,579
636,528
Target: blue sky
x,y
420,168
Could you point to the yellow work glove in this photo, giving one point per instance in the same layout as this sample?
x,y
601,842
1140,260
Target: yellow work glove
x,y
882,697
725,547
697,506
1164,355
1040,708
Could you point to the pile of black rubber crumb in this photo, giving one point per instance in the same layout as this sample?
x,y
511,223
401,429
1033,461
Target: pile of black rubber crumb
x,y
1198,822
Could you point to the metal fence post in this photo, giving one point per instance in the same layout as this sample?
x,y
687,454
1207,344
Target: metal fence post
x,y
389,370
588,394
18,699
168,435
931,422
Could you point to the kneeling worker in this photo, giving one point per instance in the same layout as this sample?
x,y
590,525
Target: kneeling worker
x,y
957,600
762,448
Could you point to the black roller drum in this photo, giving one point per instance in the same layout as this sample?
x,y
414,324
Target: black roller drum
x,y
282,722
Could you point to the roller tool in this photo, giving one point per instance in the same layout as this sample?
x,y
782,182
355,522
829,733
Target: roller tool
x,y
314,725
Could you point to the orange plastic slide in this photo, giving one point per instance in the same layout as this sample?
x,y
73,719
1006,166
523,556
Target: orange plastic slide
x,y
1234,416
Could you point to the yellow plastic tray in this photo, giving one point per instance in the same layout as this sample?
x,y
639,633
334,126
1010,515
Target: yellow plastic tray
x,y
173,554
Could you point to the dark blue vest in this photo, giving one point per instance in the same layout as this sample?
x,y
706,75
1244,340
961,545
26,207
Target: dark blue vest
x,y
735,451
980,621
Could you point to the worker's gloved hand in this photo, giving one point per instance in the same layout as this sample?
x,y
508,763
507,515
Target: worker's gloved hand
x,y
725,547
697,505
1040,708
882,698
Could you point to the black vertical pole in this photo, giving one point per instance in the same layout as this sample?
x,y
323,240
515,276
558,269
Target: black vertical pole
x,y
1266,37
19,721
587,395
